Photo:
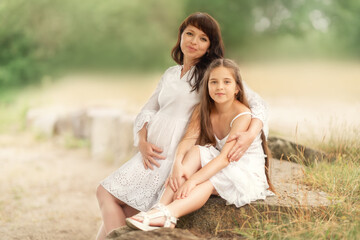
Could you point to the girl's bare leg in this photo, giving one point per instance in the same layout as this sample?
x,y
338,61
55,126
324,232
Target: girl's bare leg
x,y
197,198
113,212
180,207
191,164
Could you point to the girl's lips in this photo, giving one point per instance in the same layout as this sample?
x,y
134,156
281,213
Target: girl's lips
x,y
219,94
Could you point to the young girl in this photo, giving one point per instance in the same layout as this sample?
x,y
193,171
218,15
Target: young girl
x,y
207,170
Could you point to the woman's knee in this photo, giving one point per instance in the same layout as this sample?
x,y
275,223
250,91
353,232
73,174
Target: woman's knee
x,y
100,192
104,196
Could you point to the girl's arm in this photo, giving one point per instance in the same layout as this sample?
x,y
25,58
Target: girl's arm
x,y
189,140
259,121
214,166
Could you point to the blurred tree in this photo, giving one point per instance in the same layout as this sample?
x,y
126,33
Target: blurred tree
x,y
41,36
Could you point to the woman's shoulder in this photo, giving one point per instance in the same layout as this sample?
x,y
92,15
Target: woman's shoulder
x,y
172,70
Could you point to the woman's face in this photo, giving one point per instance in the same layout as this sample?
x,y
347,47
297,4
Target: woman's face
x,y
222,85
194,43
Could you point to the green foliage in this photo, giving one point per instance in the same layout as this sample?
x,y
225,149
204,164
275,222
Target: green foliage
x,y
41,37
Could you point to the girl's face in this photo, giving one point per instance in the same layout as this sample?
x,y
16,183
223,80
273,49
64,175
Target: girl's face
x,y
222,85
194,43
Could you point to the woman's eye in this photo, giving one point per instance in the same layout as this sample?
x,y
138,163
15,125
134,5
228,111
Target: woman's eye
x,y
204,39
189,33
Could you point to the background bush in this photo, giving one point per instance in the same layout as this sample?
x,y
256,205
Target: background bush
x,y
43,37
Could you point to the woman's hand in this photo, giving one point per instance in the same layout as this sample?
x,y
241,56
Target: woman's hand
x,y
185,190
243,142
174,180
149,151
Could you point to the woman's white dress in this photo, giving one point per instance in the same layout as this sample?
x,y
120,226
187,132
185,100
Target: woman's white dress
x,y
243,181
167,113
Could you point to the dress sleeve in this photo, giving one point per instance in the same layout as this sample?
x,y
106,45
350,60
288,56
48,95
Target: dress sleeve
x,y
258,107
147,112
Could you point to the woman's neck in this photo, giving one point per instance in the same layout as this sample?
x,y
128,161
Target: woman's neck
x,y
187,64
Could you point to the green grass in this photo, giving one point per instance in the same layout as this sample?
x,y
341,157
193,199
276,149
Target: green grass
x,y
339,178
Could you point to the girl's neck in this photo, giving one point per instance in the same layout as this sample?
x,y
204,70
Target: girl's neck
x,y
224,108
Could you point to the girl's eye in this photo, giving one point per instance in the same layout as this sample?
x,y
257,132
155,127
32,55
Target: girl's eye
x,y
227,82
203,39
212,82
189,33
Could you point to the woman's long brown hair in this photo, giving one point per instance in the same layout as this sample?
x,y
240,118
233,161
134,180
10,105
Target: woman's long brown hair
x,y
207,104
211,28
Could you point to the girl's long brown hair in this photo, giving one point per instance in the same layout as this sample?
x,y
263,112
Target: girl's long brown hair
x,y
211,28
207,104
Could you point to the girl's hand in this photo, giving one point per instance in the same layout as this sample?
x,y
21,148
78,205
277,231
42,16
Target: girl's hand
x,y
149,152
243,142
174,180
185,190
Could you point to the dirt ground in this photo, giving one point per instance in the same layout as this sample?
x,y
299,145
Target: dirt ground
x,y
47,191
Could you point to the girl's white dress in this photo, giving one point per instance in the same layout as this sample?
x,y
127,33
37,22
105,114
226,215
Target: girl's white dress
x,y
167,113
243,181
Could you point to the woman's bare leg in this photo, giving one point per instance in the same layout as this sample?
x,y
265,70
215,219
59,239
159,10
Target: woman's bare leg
x,y
101,235
113,211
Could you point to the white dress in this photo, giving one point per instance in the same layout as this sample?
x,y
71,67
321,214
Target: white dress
x,y
167,113
243,181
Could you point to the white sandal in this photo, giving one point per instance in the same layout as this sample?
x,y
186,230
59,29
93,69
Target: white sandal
x,y
144,225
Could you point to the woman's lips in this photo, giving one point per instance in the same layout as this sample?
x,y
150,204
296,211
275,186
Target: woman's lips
x,y
192,49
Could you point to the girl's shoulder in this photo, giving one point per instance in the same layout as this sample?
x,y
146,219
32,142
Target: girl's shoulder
x,y
241,111
240,108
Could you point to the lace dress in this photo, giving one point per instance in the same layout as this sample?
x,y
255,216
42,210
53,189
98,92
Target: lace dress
x,y
243,181
167,113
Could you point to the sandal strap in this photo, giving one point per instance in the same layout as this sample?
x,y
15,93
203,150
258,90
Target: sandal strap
x,y
163,212
168,218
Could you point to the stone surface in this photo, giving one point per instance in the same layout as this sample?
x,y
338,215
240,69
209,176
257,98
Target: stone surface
x,y
287,150
42,121
111,135
125,233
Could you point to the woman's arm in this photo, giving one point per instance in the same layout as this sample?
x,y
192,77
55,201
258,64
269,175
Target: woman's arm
x,y
147,112
148,151
217,164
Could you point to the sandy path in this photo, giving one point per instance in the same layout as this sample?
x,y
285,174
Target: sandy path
x,y
47,191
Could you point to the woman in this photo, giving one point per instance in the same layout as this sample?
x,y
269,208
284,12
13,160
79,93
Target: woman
x,y
158,129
